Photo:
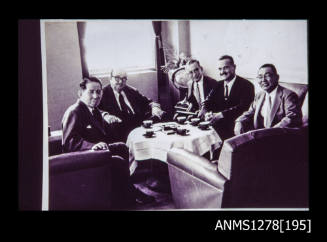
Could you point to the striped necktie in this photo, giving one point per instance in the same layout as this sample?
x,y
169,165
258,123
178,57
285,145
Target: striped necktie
x,y
197,93
268,110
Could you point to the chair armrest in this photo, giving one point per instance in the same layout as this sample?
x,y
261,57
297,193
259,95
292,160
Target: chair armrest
x,y
73,161
197,166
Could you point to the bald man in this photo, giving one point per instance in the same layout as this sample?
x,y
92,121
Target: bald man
x,y
127,103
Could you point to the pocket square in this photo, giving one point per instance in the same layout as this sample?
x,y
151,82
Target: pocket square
x,y
89,127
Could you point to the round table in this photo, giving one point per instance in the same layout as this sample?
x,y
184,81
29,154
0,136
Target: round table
x,y
197,141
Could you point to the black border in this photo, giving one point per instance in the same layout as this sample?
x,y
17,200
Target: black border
x,y
30,155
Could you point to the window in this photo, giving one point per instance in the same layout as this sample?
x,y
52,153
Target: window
x,y
125,44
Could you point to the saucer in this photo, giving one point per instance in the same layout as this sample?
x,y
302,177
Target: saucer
x,y
207,128
147,127
149,136
188,133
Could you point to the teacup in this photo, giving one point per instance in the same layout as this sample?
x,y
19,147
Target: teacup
x,y
181,119
204,125
182,131
149,133
147,123
195,121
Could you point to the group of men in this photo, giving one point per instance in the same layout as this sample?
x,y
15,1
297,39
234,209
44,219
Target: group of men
x,y
231,105
103,117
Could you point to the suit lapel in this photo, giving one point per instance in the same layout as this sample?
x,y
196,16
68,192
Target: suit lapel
x,y
276,104
258,109
94,122
113,100
205,87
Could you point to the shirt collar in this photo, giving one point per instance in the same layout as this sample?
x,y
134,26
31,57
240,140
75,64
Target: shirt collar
x,y
231,82
200,81
273,92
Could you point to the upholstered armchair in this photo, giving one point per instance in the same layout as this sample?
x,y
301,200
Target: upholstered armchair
x,y
86,180
265,168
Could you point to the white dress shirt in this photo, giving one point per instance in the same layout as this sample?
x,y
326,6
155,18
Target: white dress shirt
x,y
125,99
265,111
230,85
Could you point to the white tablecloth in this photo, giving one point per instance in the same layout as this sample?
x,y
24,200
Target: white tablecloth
x,y
197,141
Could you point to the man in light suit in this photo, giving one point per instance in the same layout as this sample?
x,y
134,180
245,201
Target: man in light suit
x,y
275,106
84,128
231,97
128,104
199,85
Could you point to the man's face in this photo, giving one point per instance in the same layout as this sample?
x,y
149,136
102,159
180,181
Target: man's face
x,y
226,69
267,79
92,95
118,81
194,71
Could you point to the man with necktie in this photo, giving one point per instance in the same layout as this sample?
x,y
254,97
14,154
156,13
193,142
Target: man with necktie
x,y
128,104
199,85
231,97
274,106
84,128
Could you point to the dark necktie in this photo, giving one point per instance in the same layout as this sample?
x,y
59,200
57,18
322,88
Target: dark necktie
x,y
126,110
226,92
97,115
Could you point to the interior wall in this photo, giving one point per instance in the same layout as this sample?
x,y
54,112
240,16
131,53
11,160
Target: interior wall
x,y
64,71
252,43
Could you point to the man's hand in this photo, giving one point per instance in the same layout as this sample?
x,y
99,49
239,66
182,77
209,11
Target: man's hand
x,y
213,117
111,119
100,146
157,112
238,129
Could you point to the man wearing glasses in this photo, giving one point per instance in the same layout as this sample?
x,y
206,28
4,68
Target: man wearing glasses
x,y
127,103
275,106
232,96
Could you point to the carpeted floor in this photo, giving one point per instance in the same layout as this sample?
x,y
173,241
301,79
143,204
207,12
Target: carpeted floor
x,y
152,178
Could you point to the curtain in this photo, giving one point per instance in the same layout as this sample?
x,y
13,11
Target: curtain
x,y
81,26
160,58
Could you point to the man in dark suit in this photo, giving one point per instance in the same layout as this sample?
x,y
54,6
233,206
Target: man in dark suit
x,y
84,128
231,97
274,106
128,104
199,85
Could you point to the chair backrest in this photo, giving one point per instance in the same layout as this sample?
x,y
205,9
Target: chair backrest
x,y
267,167
55,140
300,89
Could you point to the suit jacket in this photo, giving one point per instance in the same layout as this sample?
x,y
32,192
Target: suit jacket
x,y
139,103
208,85
81,130
240,97
285,112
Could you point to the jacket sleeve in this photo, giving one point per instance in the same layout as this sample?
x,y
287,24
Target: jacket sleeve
x,y
293,113
247,117
72,139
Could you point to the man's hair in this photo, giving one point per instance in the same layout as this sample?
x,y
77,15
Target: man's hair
x,y
192,61
86,80
227,57
271,66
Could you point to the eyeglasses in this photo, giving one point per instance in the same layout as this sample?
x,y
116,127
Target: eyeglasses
x,y
118,78
267,75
